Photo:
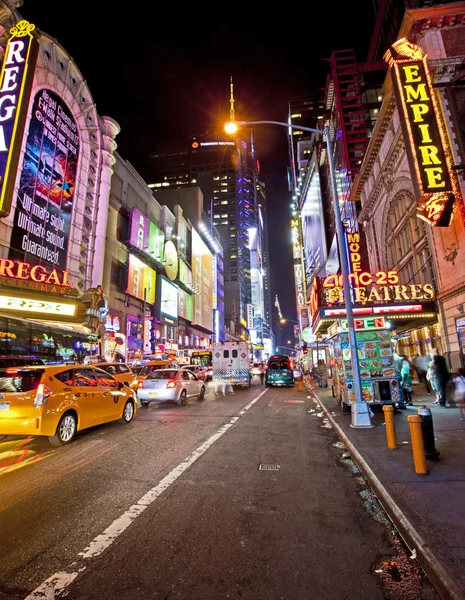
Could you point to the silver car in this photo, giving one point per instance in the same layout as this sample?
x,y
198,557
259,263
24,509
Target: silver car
x,y
170,385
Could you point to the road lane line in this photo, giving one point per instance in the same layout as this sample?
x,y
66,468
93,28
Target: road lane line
x,y
59,581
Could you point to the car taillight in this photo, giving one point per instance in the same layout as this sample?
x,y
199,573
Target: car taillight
x,y
42,395
171,384
141,384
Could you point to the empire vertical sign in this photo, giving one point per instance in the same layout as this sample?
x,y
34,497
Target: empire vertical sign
x,y
424,132
15,87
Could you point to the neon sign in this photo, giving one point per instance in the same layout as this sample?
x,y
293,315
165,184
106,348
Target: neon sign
x,y
15,86
424,132
38,273
383,293
363,279
37,306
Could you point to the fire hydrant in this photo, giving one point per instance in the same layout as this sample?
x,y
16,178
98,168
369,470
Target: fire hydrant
x,y
428,433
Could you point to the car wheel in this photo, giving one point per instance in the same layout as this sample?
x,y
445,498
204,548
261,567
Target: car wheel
x,y
128,412
66,430
181,401
202,393
144,403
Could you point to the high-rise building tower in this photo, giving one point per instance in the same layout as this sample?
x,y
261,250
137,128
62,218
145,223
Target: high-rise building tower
x,y
227,172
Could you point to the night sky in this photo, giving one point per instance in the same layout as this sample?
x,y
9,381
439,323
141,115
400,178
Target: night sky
x,y
163,74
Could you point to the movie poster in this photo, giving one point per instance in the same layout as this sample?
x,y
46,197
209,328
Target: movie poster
x,y
44,204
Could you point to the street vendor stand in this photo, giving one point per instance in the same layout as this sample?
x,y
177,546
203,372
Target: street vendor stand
x,y
376,361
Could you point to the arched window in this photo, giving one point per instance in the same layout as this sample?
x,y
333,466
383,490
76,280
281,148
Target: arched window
x,y
407,245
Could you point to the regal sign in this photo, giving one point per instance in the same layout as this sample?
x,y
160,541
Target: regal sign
x,y
15,87
425,137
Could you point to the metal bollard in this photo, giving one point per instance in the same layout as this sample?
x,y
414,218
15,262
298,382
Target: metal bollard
x,y
428,432
388,410
419,457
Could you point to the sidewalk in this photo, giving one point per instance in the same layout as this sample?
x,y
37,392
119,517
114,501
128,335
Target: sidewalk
x,y
428,510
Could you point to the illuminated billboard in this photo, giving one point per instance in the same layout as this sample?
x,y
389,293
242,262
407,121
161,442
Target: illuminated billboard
x,y
19,61
44,204
426,144
313,224
202,281
169,299
146,236
141,280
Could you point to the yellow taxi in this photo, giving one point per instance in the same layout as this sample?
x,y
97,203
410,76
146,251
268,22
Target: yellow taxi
x,y
151,366
120,371
59,401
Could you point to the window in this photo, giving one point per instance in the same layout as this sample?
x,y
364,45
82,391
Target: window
x,y
120,368
20,381
106,380
234,353
185,376
66,377
85,378
122,225
226,353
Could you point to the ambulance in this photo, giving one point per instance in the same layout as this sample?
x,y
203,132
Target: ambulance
x,y
231,363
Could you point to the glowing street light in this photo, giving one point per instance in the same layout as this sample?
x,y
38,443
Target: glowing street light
x,y
360,410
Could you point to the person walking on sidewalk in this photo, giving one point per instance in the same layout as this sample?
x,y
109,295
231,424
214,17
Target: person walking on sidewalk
x,y
459,392
406,380
421,364
438,376
398,368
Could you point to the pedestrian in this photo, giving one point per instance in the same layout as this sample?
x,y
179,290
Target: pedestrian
x,y
406,380
438,376
398,368
262,373
459,392
421,364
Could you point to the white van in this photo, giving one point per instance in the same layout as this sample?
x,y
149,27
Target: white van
x,y
230,363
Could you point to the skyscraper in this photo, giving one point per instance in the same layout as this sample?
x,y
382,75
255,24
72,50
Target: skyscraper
x,y
227,172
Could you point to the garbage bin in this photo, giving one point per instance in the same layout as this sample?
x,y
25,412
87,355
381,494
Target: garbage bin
x,y
428,433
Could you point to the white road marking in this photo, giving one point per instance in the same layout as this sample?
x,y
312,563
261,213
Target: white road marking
x,y
59,581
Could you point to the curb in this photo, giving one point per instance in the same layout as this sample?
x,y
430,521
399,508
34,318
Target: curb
x,y
443,582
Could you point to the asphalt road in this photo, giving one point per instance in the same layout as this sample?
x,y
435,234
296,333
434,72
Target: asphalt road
x,y
240,496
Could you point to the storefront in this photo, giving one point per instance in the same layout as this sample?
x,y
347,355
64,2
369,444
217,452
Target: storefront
x,y
388,318
42,315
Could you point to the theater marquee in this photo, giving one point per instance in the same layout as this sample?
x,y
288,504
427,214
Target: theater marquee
x,y
426,142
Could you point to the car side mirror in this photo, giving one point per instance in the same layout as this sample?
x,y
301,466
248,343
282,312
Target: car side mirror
x,y
120,385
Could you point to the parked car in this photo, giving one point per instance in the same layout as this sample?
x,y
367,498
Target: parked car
x,y
170,385
120,371
197,370
19,361
257,369
149,367
279,371
59,401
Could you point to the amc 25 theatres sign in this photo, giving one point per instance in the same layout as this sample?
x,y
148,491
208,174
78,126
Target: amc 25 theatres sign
x,y
15,86
424,132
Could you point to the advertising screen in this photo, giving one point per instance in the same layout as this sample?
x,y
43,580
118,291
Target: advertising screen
x,y
140,278
44,204
202,281
169,299
146,236
181,303
313,225
140,230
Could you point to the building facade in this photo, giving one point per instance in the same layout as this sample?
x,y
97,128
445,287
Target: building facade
x,y
56,169
397,237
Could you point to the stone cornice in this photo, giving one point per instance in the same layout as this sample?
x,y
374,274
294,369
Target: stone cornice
x,y
451,292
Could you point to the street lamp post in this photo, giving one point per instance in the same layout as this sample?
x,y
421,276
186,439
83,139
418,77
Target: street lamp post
x,y
360,409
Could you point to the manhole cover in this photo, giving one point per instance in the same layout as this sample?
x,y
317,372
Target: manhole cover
x,y
269,467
